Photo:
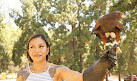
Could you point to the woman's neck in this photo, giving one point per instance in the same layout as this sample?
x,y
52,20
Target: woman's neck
x,y
40,66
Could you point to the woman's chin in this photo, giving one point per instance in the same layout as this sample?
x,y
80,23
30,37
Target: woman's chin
x,y
39,60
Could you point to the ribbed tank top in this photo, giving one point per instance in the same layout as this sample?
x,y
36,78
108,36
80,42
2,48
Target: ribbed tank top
x,y
44,76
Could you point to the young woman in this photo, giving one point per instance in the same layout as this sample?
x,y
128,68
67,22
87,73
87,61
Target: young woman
x,y
38,51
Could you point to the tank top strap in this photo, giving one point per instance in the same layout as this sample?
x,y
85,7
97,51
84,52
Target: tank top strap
x,y
49,67
29,67
29,70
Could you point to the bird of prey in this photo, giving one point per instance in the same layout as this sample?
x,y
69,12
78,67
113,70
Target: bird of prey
x,y
108,28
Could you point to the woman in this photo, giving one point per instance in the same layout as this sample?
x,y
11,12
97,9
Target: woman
x,y
38,51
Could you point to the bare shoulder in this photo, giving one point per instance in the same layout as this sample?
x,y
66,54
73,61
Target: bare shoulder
x,y
22,75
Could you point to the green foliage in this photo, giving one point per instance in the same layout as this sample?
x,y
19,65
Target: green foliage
x,y
124,5
4,60
8,37
4,57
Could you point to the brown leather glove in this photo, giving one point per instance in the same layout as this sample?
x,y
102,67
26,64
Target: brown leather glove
x,y
97,71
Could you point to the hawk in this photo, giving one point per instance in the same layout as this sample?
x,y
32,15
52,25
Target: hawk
x,y
108,28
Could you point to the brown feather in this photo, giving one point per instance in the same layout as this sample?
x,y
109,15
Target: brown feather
x,y
108,23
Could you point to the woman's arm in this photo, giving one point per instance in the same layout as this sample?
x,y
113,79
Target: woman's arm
x,y
63,73
70,75
22,75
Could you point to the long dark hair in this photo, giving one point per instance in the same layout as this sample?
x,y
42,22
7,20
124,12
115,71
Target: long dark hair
x,y
43,38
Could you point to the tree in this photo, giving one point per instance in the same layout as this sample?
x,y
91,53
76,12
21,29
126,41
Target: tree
x,y
4,57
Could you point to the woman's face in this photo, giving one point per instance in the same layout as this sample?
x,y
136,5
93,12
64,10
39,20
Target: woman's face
x,y
38,50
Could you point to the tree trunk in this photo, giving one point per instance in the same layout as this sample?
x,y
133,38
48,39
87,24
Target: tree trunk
x,y
74,46
81,62
131,76
107,77
119,76
131,57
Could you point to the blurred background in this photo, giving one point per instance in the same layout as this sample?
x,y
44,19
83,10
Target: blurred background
x,y
67,24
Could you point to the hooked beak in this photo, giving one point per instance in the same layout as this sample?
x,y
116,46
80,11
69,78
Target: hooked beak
x,y
123,16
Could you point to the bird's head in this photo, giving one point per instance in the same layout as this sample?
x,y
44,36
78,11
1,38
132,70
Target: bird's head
x,y
118,14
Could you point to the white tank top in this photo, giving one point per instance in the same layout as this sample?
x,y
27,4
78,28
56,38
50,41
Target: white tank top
x,y
44,76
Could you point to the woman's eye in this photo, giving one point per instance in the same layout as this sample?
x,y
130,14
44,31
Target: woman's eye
x,y
41,46
32,47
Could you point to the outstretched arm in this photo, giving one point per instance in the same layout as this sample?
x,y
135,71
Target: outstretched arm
x,y
63,73
97,71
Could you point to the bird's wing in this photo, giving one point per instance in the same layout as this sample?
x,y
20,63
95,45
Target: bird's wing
x,y
96,26
103,38
117,37
119,26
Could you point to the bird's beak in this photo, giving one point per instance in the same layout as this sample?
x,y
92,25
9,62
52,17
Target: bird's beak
x,y
123,16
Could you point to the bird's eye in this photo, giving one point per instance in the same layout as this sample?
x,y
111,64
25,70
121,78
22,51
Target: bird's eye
x,y
120,13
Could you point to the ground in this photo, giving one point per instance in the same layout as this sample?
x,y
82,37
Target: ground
x,y
9,80
115,77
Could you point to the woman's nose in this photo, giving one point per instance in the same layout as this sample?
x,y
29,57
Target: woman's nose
x,y
37,49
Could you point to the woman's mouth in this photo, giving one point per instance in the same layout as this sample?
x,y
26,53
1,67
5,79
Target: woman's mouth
x,y
37,55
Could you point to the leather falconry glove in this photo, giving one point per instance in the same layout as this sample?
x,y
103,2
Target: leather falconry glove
x,y
97,71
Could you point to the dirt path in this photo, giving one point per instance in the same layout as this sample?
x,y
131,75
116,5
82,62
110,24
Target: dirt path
x,y
115,77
